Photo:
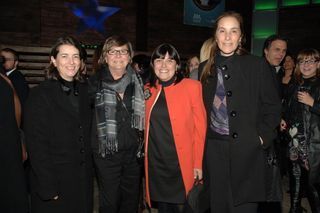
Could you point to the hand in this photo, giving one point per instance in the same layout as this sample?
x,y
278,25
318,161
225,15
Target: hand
x,y
283,125
197,173
56,197
305,98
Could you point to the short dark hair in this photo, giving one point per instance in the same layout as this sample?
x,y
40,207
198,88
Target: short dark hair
x,y
13,52
160,52
267,43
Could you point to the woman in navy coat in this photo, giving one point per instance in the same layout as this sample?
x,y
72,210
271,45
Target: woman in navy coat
x,y
57,124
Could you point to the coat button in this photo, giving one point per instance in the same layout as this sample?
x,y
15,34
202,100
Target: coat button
x,y
226,76
235,135
80,127
224,68
81,138
233,113
229,93
81,150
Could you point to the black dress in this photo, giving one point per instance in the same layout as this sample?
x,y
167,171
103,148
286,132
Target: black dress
x,y
166,184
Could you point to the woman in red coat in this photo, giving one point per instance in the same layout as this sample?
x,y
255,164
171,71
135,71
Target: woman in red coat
x,y
175,132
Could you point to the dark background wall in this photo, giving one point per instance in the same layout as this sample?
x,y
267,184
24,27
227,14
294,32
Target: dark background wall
x,y
146,23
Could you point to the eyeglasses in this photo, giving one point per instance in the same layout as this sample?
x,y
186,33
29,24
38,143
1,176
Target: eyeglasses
x,y
307,62
121,52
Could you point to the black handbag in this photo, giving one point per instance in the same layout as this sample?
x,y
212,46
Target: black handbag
x,y
198,197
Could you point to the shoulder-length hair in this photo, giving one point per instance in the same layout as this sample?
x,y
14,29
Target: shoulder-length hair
x,y
209,67
114,41
51,70
303,54
160,52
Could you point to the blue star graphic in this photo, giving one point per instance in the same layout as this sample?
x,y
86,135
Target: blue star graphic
x,y
92,15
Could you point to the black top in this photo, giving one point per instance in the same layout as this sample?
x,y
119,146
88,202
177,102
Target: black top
x,y
127,136
72,93
165,180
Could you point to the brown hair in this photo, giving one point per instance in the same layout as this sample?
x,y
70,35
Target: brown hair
x,y
112,41
51,71
303,54
209,67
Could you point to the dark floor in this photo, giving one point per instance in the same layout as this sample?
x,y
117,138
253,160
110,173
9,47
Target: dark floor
x,y
285,203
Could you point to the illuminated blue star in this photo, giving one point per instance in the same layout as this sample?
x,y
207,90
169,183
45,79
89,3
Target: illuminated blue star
x,y
92,15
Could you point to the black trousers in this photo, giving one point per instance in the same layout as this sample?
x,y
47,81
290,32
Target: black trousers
x,y
217,165
119,178
299,181
173,208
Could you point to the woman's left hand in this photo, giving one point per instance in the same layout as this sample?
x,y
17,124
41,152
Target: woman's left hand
x,y
305,98
197,173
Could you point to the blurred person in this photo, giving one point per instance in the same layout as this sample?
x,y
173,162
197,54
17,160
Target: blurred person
x,y
13,196
192,66
302,122
57,127
141,64
174,134
117,127
16,77
243,110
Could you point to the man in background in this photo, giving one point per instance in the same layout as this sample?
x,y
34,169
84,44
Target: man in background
x,y
11,61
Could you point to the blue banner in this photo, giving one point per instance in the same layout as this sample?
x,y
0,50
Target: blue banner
x,y
202,12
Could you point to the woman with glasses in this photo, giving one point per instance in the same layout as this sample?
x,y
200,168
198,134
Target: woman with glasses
x,y
117,127
302,121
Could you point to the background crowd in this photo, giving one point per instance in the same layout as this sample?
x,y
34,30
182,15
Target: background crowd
x,y
147,127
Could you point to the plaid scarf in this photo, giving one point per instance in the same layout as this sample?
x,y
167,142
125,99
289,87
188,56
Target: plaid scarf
x,y
106,100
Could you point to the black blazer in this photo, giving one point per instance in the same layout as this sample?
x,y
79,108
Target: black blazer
x,y
20,85
59,148
254,110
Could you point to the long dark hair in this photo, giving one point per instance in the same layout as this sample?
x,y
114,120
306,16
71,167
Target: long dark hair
x,y
160,52
51,71
209,67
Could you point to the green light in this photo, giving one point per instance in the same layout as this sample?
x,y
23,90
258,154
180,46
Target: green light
x,y
294,2
266,4
316,1
259,34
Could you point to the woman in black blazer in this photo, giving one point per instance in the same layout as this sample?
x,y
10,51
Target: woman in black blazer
x,y
243,111
57,125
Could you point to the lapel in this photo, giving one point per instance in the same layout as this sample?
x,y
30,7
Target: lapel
x,y
209,89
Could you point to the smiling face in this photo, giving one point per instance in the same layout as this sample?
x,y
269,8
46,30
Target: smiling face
x,y
118,58
228,35
67,61
165,68
308,67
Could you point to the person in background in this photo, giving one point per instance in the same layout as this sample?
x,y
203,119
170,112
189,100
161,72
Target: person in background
x,y
16,77
243,111
117,127
205,49
274,51
204,55
192,65
141,64
289,64
13,196
174,136
57,129
302,122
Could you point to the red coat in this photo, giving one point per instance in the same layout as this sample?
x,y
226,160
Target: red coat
x,y
188,120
